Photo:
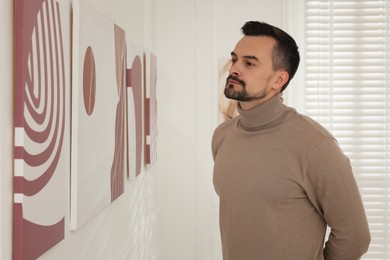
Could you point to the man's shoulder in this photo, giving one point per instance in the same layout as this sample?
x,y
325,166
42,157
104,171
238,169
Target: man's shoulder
x,y
309,127
223,129
226,125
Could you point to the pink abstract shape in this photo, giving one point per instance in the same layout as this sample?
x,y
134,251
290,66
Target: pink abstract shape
x,y
147,129
151,115
40,71
134,80
117,168
89,81
40,238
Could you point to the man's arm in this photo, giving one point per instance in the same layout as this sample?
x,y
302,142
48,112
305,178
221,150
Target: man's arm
x,y
333,190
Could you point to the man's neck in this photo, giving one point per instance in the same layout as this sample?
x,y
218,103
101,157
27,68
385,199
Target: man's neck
x,y
247,105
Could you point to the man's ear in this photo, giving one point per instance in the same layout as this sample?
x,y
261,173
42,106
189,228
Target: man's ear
x,y
281,79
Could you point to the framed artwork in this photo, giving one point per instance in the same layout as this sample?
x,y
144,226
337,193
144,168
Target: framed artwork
x,y
41,121
135,89
98,160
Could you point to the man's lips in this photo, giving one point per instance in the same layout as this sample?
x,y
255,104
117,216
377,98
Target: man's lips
x,y
232,81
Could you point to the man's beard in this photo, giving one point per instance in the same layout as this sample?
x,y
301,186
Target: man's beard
x,y
241,95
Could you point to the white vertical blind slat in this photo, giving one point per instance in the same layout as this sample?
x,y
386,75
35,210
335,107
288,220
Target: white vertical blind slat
x,y
347,90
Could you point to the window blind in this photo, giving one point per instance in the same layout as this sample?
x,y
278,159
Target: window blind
x,y
347,62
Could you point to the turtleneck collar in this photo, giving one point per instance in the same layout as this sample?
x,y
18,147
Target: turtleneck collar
x,y
263,114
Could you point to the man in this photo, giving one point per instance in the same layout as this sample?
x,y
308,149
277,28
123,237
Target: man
x,y
281,177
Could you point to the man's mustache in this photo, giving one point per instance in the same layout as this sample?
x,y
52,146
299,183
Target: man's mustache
x,y
235,78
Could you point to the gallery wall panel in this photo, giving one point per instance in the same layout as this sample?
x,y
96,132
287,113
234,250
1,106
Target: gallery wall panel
x,y
98,113
41,121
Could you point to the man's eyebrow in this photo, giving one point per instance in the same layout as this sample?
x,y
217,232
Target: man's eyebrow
x,y
251,57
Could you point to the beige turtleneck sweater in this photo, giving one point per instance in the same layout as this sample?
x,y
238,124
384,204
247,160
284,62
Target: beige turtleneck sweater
x,y
282,179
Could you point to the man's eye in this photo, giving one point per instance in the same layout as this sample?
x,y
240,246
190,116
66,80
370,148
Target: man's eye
x,y
249,64
233,61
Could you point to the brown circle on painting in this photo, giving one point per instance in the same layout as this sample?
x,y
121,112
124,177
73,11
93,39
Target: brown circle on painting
x,y
89,81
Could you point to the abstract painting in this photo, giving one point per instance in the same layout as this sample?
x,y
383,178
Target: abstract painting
x,y
135,88
98,160
41,120
150,113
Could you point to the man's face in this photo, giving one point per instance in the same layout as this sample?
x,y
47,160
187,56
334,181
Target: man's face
x,y
251,76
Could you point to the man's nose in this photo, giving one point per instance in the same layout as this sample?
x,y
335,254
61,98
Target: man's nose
x,y
234,70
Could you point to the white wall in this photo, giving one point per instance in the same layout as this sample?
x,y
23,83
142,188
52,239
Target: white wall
x,y
176,110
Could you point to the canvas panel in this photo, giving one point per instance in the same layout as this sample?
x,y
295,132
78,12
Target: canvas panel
x,y
41,149
98,113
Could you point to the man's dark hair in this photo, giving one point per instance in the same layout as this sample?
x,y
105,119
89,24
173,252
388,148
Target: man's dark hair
x,y
285,53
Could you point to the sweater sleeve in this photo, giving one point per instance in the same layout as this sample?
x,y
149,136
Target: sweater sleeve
x,y
332,189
